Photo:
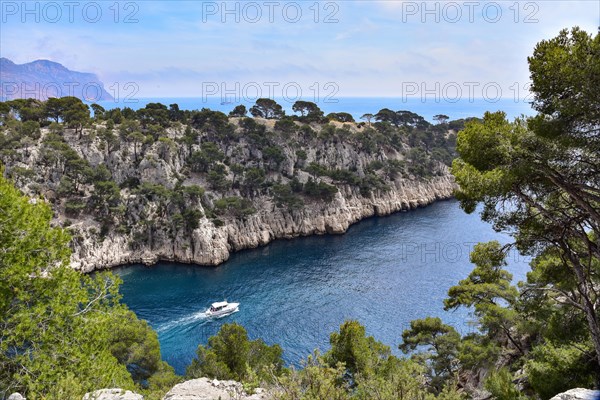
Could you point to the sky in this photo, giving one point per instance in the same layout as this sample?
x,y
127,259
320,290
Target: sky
x,y
444,49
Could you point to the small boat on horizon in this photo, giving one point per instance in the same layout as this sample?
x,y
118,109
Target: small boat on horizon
x,y
221,309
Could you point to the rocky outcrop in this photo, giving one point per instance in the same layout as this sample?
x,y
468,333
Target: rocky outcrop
x,y
206,389
195,389
578,394
113,394
211,245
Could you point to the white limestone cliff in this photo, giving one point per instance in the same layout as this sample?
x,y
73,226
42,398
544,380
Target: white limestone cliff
x,y
211,245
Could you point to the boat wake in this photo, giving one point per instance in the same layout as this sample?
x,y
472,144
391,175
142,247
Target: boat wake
x,y
182,322
188,322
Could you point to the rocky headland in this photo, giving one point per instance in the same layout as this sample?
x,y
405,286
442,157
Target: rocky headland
x,y
42,79
142,191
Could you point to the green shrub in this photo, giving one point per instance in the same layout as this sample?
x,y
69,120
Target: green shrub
x,y
499,384
554,369
234,206
320,190
231,355
285,197
73,207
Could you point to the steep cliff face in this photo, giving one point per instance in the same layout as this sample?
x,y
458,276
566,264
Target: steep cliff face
x,y
196,193
211,245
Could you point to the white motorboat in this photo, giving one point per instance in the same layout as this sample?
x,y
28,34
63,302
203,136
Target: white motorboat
x,y
222,308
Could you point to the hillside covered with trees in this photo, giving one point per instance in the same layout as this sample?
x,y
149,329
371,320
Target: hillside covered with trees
x,y
193,186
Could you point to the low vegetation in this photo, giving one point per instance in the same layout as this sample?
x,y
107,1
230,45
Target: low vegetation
x,y
64,334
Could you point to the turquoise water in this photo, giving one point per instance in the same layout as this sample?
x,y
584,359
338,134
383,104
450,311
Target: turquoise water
x,y
383,272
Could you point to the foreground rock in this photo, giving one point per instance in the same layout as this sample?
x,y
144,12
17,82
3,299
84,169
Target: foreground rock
x,y
206,389
578,394
113,394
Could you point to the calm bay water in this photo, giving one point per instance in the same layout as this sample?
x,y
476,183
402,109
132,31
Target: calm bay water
x,y
383,272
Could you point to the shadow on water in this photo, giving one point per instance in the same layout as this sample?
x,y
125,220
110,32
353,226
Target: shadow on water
x,y
383,272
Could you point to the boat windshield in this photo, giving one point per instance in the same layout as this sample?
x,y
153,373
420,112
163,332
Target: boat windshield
x,y
215,307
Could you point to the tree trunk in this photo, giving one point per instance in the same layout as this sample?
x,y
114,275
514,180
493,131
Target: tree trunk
x,y
583,287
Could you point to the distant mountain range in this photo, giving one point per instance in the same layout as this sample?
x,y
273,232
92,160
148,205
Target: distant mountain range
x,y
42,79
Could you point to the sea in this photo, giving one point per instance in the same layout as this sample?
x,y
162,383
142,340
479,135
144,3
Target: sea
x,y
356,106
384,272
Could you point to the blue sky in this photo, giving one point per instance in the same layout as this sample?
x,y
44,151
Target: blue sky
x,y
368,48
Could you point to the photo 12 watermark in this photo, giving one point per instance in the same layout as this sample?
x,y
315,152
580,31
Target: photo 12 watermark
x,y
53,12
446,252
290,92
454,12
119,92
253,12
471,91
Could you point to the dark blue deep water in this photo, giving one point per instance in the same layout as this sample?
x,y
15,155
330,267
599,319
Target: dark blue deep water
x,y
383,272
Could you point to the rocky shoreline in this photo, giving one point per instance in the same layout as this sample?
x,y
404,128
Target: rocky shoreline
x,y
212,245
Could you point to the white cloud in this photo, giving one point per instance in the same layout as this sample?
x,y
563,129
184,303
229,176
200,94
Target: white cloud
x,y
370,51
